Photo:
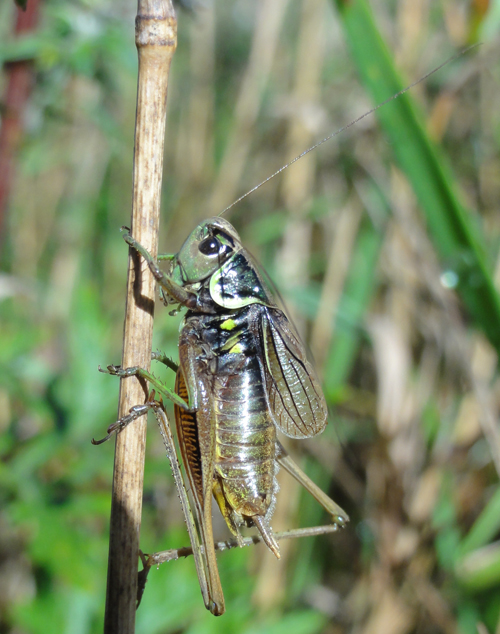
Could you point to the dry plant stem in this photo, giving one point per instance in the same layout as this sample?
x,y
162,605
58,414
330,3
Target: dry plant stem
x,y
156,38
339,259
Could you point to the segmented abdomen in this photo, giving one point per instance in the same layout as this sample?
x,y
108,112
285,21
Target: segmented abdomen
x,y
245,440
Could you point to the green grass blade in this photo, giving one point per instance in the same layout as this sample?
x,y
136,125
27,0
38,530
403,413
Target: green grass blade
x,y
485,527
480,569
458,246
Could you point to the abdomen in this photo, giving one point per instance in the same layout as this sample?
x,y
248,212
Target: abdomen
x,y
245,440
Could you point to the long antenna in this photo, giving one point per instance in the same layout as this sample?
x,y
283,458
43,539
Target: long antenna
x,y
366,114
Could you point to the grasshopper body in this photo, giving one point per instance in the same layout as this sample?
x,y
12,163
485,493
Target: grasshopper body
x,y
243,375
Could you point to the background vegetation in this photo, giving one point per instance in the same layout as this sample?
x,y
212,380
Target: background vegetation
x,y
384,243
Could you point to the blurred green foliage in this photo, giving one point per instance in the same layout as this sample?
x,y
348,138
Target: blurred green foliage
x,y
418,476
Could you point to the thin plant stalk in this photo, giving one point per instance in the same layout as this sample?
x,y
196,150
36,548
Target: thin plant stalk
x,y
156,39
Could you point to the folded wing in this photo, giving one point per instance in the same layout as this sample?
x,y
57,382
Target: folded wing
x,y
295,396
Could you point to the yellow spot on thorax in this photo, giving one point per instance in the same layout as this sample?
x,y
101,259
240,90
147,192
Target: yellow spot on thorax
x,y
229,324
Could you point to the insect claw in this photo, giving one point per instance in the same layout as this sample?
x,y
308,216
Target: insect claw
x,y
142,577
134,413
118,370
99,442
110,369
116,427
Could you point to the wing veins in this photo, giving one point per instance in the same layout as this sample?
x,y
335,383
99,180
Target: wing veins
x,y
286,383
303,388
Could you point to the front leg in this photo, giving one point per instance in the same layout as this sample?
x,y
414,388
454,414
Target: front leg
x,y
161,357
141,373
188,299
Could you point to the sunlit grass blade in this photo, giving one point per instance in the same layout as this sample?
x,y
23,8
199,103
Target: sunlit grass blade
x,y
485,527
458,246
480,569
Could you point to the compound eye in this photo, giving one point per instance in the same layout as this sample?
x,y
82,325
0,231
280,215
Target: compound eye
x,y
209,246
